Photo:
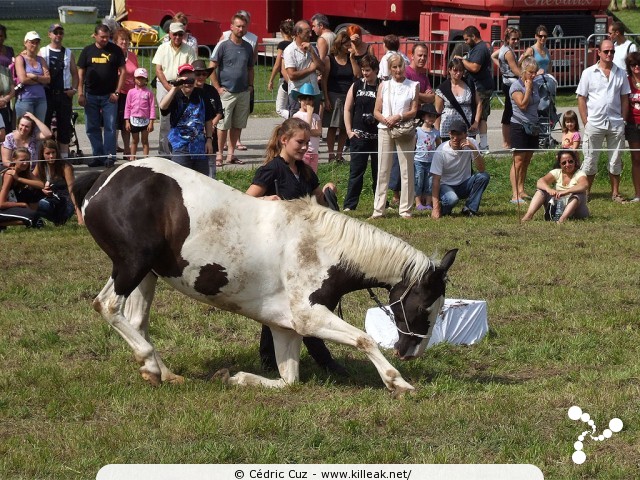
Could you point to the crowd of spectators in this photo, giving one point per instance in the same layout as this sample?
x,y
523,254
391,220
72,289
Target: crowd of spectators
x,y
421,143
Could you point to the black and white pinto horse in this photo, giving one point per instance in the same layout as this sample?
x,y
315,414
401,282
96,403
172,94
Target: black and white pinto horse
x,y
285,264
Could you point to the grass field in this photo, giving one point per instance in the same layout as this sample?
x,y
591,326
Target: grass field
x,y
563,315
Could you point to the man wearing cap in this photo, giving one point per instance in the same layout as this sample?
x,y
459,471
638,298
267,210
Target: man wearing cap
x,y
233,60
167,59
190,113
100,78
213,97
63,86
452,175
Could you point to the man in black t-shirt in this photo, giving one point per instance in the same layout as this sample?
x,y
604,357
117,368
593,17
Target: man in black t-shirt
x,y
101,74
478,64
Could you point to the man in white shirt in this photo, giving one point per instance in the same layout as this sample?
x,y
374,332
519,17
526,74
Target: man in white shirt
x,y
301,62
603,103
623,46
452,175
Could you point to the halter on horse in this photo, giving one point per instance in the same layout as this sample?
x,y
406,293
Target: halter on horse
x,y
285,264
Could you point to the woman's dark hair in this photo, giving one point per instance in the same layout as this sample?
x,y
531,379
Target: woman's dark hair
x,y
369,61
58,166
457,64
286,27
541,29
510,31
574,155
341,39
632,59
3,29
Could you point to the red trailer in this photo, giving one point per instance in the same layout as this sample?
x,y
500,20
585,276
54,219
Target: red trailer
x,y
440,21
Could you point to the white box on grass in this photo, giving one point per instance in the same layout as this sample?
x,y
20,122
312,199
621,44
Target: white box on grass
x,y
462,322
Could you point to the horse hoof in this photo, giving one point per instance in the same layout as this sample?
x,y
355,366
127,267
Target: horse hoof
x,y
223,375
174,379
153,378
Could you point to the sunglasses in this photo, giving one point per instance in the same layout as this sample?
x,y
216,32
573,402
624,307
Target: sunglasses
x,y
567,162
543,36
633,65
608,52
178,34
514,39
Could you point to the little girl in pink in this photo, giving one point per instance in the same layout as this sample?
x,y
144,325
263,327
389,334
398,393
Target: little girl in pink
x,y
140,112
306,96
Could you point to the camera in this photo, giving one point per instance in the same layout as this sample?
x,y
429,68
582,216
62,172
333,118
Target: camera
x,y
368,119
182,81
19,87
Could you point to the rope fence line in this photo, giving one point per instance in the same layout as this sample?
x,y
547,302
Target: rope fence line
x,y
499,152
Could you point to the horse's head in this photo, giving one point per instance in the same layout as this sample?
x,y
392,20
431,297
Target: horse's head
x,y
416,305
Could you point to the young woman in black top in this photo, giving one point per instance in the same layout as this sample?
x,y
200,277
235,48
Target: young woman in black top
x,y
284,176
362,129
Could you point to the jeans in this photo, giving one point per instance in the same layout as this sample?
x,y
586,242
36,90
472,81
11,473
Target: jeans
x,y
471,189
423,179
361,150
97,108
394,179
37,106
182,157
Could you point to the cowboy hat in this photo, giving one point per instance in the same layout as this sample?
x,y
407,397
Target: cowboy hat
x,y
200,66
307,90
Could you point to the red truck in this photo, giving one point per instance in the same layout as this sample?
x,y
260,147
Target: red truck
x,y
440,21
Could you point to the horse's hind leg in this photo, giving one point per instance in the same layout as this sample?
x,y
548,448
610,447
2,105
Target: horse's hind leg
x,y
111,306
137,309
287,345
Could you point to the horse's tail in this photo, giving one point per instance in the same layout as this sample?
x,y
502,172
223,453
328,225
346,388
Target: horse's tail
x,y
84,183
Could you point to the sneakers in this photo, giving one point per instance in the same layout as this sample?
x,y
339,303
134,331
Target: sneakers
x,y
634,200
466,212
424,207
519,201
406,215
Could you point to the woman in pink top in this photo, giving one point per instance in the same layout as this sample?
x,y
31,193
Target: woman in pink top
x,y
140,112
122,38
632,129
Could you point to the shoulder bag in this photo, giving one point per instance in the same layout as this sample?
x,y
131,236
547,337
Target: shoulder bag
x,y
403,129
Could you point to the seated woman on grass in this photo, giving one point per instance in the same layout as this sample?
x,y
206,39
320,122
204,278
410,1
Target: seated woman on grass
x,y
568,199
20,192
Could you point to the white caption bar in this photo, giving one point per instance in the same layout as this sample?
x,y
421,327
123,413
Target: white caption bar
x,y
319,472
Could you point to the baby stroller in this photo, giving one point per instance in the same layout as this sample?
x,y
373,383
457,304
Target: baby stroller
x,y
547,114
75,153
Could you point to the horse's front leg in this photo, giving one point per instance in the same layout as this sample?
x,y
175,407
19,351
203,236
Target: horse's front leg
x,y
319,321
112,308
137,310
287,347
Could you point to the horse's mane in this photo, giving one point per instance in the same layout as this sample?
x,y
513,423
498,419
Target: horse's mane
x,y
363,247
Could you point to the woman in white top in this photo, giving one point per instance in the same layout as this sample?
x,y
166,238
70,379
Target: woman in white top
x,y
396,102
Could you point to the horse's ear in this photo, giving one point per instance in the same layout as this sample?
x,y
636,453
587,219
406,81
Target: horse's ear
x,y
448,259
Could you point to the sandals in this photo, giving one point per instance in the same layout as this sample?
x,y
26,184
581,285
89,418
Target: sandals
x,y
241,147
618,198
234,160
219,161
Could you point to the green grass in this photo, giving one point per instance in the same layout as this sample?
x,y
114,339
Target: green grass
x,y
563,317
